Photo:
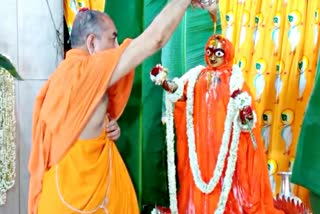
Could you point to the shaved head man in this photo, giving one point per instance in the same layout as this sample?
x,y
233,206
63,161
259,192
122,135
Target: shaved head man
x,y
74,164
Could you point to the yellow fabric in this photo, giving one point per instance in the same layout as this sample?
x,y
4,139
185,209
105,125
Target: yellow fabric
x,y
267,34
71,7
83,178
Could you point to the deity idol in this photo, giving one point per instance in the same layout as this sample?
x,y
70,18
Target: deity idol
x,y
221,165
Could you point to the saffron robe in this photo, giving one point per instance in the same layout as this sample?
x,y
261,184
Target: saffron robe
x,y
64,105
250,191
91,177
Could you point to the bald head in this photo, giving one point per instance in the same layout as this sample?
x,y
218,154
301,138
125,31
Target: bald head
x,y
88,22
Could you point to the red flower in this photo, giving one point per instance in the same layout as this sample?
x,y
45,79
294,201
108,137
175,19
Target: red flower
x,y
235,93
246,114
156,70
163,210
83,9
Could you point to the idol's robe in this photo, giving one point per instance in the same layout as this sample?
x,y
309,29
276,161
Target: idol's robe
x,y
250,191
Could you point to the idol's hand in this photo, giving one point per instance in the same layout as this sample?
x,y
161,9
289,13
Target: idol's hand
x,y
113,130
169,86
158,75
247,119
246,115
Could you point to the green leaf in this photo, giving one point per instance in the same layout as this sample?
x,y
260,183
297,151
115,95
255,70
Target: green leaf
x,y
142,141
128,21
7,65
185,49
154,147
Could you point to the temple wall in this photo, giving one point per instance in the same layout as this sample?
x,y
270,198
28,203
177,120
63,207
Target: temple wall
x,y
28,37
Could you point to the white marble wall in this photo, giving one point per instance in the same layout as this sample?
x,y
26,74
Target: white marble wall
x,y
28,37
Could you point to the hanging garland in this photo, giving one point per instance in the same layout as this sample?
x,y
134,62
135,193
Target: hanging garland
x,y
7,134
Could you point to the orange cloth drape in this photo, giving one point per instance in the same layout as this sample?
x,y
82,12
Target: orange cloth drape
x,y
250,191
91,174
65,104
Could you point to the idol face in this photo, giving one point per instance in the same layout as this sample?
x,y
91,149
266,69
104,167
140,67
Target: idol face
x,y
219,52
215,54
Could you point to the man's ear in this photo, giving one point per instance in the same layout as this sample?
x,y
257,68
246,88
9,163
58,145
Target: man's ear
x,y
90,43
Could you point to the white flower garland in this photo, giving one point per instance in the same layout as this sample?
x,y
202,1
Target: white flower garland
x,y
194,165
158,79
232,119
7,134
170,156
232,159
174,97
155,211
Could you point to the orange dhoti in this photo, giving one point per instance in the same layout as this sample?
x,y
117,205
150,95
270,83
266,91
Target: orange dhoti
x,y
89,179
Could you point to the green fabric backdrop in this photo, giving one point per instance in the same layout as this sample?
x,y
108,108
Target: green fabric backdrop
x,y
142,143
306,168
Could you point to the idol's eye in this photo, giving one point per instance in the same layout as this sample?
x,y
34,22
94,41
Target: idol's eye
x,y
219,53
208,52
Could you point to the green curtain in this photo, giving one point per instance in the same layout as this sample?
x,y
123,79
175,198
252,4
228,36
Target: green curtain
x,y
140,122
306,168
142,143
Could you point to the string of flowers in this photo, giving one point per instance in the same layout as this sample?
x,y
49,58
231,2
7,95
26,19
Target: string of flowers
x,y
194,164
170,156
7,134
171,98
232,159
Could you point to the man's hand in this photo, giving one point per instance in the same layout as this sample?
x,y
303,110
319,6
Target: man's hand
x,y
113,130
210,5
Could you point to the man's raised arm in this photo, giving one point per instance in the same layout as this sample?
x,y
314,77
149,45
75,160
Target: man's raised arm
x,y
152,39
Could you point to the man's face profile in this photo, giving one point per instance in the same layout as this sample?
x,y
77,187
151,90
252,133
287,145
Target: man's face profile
x,y
104,39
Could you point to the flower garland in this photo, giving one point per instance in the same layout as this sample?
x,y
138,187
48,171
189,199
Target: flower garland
x,y
7,134
194,165
170,156
232,159
174,97
171,98
159,74
231,123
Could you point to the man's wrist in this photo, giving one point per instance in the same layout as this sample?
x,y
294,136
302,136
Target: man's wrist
x,y
183,3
